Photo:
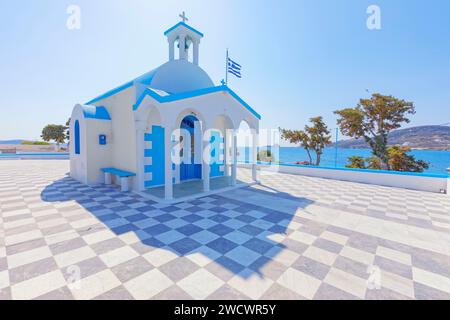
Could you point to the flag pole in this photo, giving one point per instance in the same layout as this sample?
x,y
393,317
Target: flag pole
x,y
336,148
226,70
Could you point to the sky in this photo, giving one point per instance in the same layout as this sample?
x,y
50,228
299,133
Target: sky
x,y
300,58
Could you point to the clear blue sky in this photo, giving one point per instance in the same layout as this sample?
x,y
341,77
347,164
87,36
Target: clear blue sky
x,y
300,58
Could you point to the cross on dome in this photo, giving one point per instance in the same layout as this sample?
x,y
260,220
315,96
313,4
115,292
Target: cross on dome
x,y
183,17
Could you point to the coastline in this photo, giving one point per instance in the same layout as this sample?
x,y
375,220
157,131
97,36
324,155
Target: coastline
x,y
412,148
439,159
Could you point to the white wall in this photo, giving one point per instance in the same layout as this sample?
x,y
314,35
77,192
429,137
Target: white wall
x,y
98,156
78,162
123,136
85,167
414,182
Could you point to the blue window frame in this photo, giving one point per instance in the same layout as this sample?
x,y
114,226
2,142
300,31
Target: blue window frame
x,y
77,137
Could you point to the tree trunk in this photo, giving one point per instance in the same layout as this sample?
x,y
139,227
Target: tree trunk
x,y
378,144
309,155
318,154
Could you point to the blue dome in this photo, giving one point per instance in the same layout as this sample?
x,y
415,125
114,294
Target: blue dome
x,y
176,76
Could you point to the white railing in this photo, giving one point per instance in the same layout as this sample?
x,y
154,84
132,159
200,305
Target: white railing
x,y
431,182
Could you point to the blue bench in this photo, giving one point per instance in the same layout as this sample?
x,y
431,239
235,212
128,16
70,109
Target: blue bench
x,y
121,174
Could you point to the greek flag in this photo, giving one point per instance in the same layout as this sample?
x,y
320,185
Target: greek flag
x,y
234,68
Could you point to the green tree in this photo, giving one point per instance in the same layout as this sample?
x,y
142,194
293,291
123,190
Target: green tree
x,y
356,162
35,143
399,160
313,138
54,132
374,163
373,119
398,157
265,156
319,136
298,137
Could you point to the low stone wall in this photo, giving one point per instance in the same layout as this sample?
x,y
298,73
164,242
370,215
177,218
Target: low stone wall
x,y
28,148
438,183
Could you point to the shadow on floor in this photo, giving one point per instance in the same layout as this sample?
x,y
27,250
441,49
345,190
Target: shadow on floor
x,y
193,187
234,234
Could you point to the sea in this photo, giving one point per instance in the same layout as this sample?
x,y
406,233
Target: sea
x,y
439,161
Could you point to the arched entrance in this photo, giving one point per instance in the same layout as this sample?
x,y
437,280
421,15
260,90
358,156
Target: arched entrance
x,y
190,167
221,153
244,143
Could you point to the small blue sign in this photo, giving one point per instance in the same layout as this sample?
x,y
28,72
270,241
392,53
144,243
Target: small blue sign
x,y
102,139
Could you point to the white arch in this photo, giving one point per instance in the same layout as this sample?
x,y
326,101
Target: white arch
x,y
191,112
248,141
225,125
145,110
223,121
198,136
147,115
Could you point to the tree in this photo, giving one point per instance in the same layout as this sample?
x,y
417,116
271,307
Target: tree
x,y
319,137
374,163
356,162
34,143
298,137
373,119
265,156
54,132
312,138
399,160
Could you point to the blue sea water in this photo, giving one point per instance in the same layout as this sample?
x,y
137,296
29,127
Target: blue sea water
x,y
34,155
439,160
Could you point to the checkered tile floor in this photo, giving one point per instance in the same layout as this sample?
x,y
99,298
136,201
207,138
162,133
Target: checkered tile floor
x,y
415,208
292,237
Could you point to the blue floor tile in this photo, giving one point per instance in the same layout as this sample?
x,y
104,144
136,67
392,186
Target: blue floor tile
x,y
157,229
258,245
185,245
251,230
220,229
124,229
189,229
222,245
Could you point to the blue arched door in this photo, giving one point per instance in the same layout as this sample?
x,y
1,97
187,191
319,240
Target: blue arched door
x,y
188,168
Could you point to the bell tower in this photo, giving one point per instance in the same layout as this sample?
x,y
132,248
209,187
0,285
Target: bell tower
x,y
184,36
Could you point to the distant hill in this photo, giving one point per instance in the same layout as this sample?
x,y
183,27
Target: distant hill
x,y
423,137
